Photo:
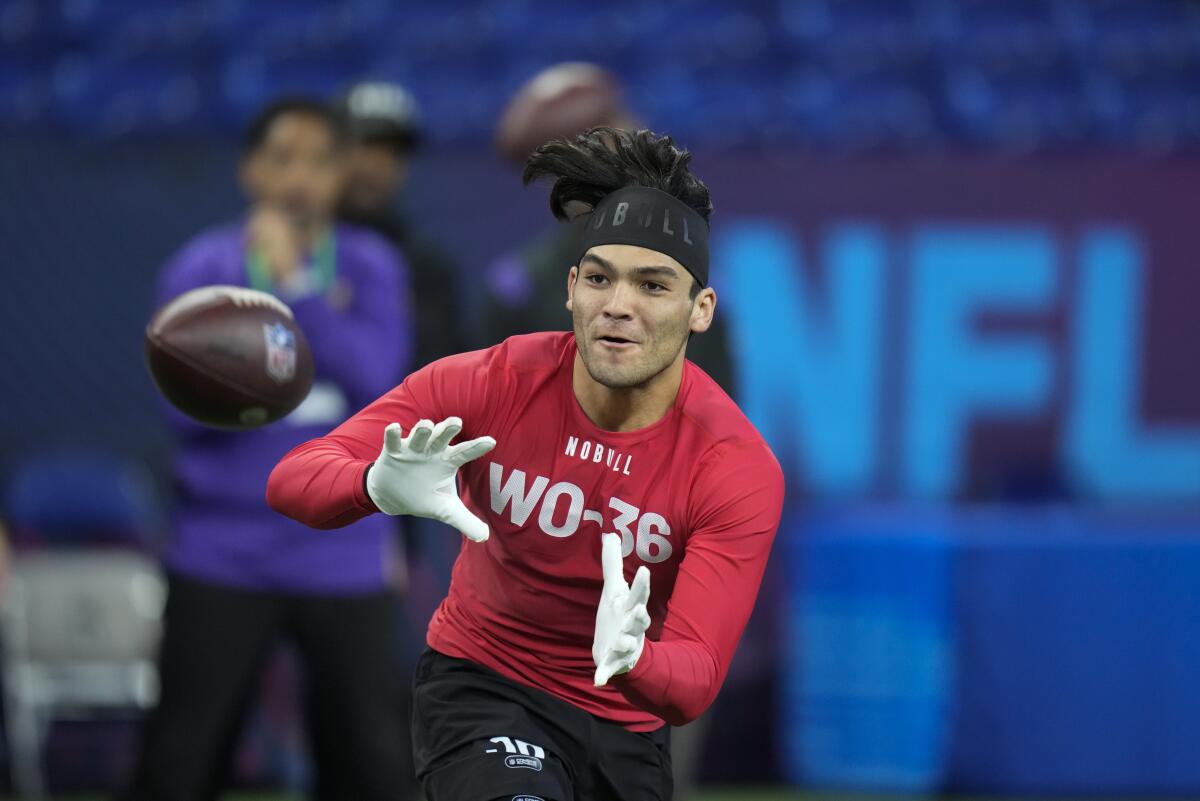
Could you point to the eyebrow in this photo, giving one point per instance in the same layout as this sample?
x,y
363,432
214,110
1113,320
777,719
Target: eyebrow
x,y
662,271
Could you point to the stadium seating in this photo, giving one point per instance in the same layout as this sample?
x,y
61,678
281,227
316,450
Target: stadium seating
x,y
850,74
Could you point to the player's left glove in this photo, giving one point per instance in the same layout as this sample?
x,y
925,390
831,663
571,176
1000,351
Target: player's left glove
x,y
415,475
621,619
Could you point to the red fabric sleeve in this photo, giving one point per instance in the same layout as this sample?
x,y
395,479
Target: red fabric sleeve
x,y
320,483
737,502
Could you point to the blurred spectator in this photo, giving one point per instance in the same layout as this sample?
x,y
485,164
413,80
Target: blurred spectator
x,y
526,290
239,575
383,122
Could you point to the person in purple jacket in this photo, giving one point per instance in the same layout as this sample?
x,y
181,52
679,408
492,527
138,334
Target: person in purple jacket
x,y
239,574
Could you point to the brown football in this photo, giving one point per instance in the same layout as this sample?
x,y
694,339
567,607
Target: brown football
x,y
229,357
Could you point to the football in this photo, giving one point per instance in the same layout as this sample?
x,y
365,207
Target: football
x,y
561,101
229,357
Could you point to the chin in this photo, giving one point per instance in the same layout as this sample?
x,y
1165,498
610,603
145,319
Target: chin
x,y
619,378
618,382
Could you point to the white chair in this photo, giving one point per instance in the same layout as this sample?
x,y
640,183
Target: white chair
x,y
80,633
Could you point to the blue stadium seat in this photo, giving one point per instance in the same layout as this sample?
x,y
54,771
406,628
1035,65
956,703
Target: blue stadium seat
x,y
872,33
106,96
28,28
860,114
184,30
1023,112
977,72
247,83
1146,113
82,498
25,94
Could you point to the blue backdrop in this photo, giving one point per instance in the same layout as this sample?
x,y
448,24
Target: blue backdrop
x,y
992,649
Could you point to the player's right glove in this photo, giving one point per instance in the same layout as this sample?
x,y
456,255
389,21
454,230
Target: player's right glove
x,y
621,617
414,475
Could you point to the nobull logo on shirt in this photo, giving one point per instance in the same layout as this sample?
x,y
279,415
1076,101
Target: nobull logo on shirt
x,y
514,496
596,453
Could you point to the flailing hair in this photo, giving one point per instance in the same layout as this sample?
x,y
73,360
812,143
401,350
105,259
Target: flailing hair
x,y
596,162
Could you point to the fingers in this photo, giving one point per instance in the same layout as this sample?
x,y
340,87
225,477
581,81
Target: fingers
x,y
639,590
425,437
443,432
625,644
464,452
637,621
418,436
614,662
392,437
603,674
461,518
611,562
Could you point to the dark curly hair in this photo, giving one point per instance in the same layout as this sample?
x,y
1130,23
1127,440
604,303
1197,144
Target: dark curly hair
x,y
601,160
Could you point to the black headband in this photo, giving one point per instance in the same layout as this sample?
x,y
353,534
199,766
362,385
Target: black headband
x,y
639,215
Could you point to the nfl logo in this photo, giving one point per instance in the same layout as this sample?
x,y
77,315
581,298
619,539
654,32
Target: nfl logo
x,y
281,352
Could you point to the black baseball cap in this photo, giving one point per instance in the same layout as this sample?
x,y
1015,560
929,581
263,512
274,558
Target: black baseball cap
x,y
380,111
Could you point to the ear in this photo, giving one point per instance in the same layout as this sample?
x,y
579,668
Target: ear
x,y
703,309
572,276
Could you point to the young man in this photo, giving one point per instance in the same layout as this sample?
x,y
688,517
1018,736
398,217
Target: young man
x,y
241,576
522,288
548,675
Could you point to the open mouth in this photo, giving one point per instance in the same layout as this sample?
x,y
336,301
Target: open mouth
x,y
616,342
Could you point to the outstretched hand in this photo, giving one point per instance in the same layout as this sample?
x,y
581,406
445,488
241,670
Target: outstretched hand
x,y
621,618
415,475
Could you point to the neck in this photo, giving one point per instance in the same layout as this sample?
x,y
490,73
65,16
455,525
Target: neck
x,y
310,233
626,408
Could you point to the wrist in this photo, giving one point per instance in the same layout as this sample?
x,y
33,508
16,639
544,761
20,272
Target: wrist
x,y
363,493
640,667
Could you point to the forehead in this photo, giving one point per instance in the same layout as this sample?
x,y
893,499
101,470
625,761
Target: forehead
x,y
292,128
624,258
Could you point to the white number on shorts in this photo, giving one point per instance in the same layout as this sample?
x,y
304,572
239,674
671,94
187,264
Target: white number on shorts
x,y
513,746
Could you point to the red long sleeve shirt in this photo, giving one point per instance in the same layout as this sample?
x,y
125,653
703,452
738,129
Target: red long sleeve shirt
x,y
696,496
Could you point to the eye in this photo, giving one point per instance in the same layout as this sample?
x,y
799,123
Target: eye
x,y
596,278
654,287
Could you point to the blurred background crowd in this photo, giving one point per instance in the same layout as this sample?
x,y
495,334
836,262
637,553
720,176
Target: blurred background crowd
x,y
953,246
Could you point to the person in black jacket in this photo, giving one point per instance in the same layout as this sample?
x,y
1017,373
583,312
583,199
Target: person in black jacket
x,y
384,125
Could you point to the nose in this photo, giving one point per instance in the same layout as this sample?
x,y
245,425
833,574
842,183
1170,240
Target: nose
x,y
618,305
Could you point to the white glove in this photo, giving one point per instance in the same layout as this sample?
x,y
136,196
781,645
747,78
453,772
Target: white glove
x,y
621,619
415,475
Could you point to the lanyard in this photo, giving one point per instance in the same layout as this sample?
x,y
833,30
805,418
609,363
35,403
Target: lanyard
x,y
322,263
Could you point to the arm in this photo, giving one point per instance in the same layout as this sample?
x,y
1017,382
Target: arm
x,y
322,483
740,499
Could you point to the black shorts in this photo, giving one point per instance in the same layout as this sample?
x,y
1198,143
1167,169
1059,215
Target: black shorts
x,y
478,736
